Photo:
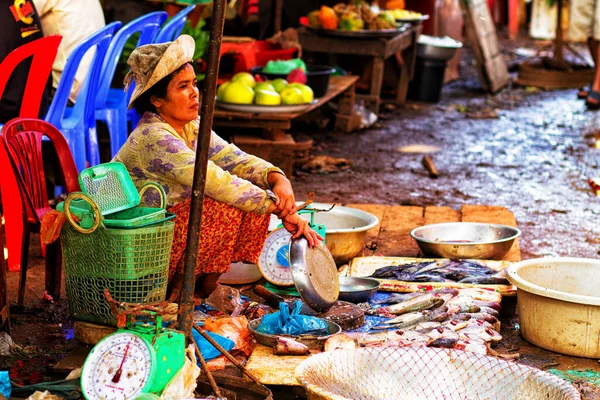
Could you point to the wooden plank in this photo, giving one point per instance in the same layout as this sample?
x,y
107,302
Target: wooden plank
x,y
394,238
497,73
495,215
270,369
377,210
438,215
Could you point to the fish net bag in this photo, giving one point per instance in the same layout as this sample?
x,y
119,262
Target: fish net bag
x,y
379,373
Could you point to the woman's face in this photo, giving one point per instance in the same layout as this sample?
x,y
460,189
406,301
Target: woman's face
x,y
181,104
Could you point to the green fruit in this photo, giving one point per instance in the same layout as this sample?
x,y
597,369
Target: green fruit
x,y
244,77
221,90
307,93
291,95
238,93
263,86
267,97
279,84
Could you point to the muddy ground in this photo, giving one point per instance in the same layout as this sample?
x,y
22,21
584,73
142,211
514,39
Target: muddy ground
x,y
535,159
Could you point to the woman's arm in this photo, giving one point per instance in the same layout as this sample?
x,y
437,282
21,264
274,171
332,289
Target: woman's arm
x,y
167,159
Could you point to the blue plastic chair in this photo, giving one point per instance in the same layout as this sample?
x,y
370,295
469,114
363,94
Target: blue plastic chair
x,y
172,29
78,123
111,103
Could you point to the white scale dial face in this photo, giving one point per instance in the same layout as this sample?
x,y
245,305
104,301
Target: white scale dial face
x,y
117,368
274,260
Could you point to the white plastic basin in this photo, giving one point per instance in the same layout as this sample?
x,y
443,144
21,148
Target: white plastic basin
x,y
559,304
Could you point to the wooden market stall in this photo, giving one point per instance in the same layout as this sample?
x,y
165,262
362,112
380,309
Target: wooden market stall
x,y
402,46
275,145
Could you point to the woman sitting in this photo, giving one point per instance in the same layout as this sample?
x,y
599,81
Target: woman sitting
x,y
241,190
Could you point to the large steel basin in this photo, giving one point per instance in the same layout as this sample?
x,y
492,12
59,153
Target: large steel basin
x,y
346,229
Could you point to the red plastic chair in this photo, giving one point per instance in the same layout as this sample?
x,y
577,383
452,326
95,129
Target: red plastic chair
x,y
22,138
42,52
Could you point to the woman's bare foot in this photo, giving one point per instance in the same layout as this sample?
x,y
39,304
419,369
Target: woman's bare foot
x,y
174,288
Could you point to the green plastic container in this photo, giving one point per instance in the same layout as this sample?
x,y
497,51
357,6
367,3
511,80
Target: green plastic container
x,y
113,190
133,264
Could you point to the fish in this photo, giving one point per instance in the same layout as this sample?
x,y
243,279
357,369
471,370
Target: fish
x,y
289,347
339,341
498,278
489,310
406,320
486,334
462,271
444,343
455,325
495,306
471,347
423,302
483,316
397,298
481,294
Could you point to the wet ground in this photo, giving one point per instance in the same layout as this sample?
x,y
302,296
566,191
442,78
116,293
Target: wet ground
x,y
535,159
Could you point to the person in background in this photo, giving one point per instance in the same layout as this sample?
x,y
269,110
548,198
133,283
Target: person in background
x,y
74,20
241,190
20,25
584,22
128,10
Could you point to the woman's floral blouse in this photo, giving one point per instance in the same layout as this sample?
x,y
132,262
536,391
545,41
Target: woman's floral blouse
x,y
155,152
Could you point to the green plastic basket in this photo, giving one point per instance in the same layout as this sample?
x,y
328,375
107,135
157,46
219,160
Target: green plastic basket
x,y
115,194
132,263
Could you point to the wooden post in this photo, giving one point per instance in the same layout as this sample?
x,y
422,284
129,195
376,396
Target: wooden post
x,y
186,302
278,15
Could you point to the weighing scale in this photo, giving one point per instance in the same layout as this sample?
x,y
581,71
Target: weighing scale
x,y
140,358
274,260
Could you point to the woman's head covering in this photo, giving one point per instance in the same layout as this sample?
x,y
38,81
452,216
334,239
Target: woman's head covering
x,y
152,62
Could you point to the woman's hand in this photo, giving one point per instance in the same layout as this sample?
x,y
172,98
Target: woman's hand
x,y
299,227
281,186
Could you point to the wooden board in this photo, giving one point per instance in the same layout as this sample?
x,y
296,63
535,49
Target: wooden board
x,y
481,34
270,369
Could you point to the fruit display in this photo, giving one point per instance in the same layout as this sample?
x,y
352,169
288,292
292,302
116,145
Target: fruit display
x,y
358,15
243,88
405,14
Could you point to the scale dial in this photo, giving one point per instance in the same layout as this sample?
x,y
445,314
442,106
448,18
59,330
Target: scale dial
x,y
118,367
274,260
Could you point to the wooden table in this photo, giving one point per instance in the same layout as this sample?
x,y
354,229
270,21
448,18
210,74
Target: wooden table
x,y
389,238
403,46
275,145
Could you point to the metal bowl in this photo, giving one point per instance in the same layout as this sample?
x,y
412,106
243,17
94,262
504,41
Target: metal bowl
x,y
313,341
346,229
357,290
463,240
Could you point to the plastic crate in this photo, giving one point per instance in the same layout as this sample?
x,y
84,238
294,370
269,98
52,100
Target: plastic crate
x,y
115,194
267,51
132,263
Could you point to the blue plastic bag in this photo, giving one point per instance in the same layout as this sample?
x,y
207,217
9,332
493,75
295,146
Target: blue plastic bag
x,y
209,351
5,388
294,323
